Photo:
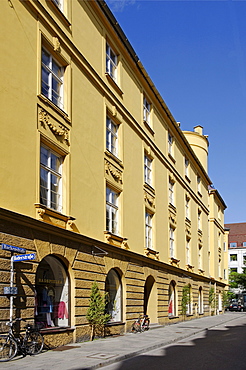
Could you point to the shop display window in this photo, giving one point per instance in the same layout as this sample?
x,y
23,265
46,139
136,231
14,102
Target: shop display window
x,y
51,294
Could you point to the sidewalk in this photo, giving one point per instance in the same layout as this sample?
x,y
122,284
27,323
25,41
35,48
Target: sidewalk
x,y
102,352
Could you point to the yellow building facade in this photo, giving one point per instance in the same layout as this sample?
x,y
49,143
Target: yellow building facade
x,y
97,178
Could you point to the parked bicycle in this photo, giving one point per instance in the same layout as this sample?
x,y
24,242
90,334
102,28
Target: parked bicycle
x,y
31,343
141,324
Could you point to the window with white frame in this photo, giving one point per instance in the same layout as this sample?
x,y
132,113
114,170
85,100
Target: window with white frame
x,y
186,165
172,299
233,245
148,230
199,223
171,191
200,257
111,62
112,210
146,110
52,79
170,144
233,257
187,207
188,258
112,136
189,299
198,184
172,242
147,170
50,179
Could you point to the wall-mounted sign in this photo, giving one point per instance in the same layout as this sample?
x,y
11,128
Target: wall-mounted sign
x,y
24,257
12,248
10,290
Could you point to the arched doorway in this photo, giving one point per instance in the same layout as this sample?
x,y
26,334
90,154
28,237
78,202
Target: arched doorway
x,y
150,299
113,288
52,293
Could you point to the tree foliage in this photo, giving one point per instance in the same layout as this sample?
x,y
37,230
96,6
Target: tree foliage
x,y
237,279
186,298
96,315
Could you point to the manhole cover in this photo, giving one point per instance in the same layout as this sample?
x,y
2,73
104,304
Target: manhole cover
x,y
64,348
104,356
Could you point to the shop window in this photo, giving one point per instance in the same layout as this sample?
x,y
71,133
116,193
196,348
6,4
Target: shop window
x,y
172,299
200,301
114,296
52,294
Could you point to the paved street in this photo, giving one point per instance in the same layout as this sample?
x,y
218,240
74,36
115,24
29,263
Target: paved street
x,y
209,343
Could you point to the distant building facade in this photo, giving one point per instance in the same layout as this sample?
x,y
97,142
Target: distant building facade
x,y
97,179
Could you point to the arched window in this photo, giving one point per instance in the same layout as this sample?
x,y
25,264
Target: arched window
x,y
189,309
200,301
172,299
114,296
51,293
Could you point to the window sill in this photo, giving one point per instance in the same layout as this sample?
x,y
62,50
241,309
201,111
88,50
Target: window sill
x,y
53,217
189,267
115,323
172,317
56,329
187,178
172,158
172,208
199,232
187,221
116,240
149,252
115,159
174,261
200,194
149,187
201,271
59,110
147,125
113,84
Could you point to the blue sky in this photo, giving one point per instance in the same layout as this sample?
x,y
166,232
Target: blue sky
x,y
195,53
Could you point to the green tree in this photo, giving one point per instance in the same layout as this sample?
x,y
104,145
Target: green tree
x,y
96,315
212,299
236,279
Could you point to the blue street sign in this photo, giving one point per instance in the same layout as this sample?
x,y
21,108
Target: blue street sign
x,y
24,257
12,248
10,290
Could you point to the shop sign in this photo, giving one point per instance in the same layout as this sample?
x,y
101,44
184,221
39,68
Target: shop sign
x,y
12,248
24,257
10,290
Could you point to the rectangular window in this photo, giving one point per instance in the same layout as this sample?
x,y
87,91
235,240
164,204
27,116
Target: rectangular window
x,y
225,274
199,223
50,179
112,136
171,242
244,259
111,62
146,110
148,230
244,244
186,164
171,192
233,245
199,184
170,144
188,259
52,79
187,207
199,257
112,211
233,257
147,170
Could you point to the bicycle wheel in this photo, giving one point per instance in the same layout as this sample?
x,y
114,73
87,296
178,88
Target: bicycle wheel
x,y
8,348
34,343
136,327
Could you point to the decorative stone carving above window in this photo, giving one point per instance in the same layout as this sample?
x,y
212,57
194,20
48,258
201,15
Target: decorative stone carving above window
x,y
57,44
189,267
57,128
174,261
172,215
149,199
53,217
110,169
